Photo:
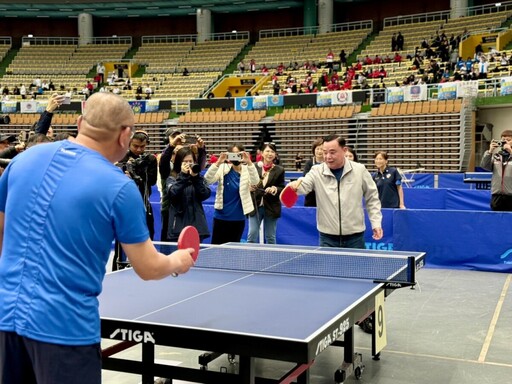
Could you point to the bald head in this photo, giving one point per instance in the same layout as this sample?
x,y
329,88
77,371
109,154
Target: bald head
x,y
105,114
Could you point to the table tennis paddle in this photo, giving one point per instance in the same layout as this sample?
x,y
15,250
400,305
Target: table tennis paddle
x,y
289,195
189,238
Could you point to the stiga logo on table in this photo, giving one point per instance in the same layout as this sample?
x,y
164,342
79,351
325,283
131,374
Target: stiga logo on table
x,y
133,335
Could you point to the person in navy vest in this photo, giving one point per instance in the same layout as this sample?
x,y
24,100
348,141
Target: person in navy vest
x,y
389,182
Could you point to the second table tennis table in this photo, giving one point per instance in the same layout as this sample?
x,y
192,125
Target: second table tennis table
x,y
285,303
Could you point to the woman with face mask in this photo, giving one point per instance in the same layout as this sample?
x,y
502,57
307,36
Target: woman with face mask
x,y
265,196
186,190
235,173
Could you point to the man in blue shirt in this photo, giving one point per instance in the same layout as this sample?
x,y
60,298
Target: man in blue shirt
x,y
61,206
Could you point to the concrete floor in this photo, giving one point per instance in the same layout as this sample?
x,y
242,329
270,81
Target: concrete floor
x,y
454,328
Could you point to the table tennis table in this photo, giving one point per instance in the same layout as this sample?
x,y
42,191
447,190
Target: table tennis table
x,y
253,301
481,180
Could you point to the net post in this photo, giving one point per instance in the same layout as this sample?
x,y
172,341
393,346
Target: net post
x,y
411,269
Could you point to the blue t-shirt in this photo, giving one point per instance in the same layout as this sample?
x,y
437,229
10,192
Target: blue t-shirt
x,y
232,209
64,204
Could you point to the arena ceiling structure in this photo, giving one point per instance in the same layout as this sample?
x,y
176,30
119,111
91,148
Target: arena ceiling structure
x,y
127,8
137,8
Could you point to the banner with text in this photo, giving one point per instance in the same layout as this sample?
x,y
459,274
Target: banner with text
x,y
394,95
416,92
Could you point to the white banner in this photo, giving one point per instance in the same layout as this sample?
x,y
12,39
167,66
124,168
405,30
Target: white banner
x,y
415,92
28,106
341,97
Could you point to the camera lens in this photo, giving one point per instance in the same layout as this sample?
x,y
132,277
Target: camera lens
x,y
195,168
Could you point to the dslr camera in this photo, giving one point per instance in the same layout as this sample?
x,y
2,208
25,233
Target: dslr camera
x,y
136,168
195,168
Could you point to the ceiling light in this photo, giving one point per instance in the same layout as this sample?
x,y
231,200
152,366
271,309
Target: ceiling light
x,y
185,6
121,9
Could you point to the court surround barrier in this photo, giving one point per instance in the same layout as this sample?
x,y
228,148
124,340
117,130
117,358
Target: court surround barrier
x,y
453,224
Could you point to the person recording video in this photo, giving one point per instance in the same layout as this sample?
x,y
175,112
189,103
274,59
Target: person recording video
x,y
175,140
497,160
186,190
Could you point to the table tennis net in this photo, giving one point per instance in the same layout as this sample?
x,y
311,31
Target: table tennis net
x,y
336,263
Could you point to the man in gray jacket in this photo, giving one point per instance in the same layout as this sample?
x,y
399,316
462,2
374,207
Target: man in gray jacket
x,y
498,160
340,186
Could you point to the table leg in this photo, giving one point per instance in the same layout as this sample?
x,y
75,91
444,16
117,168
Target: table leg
x,y
148,362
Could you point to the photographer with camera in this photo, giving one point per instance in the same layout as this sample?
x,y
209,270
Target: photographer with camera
x,y
498,160
186,190
176,140
142,168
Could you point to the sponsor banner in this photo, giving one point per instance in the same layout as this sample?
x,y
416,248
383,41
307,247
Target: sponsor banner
x,y
41,106
415,93
467,88
506,86
341,97
243,103
447,91
394,95
275,101
28,106
324,99
138,106
152,105
8,106
259,102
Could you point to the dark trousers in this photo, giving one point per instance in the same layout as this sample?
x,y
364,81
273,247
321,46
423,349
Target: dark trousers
x,y
355,240
502,203
164,215
227,231
120,261
26,361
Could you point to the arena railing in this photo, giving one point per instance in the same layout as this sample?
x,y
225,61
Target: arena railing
x,y
416,18
26,40
6,40
489,8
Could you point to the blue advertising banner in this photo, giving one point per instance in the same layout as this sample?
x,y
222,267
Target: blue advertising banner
x,y
275,101
152,105
8,106
452,180
455,239
394,95
506,86
243,103
138,106
323,99
447,91
259,102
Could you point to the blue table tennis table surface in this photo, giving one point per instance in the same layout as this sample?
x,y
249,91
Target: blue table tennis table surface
x,y
266,304
251,311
